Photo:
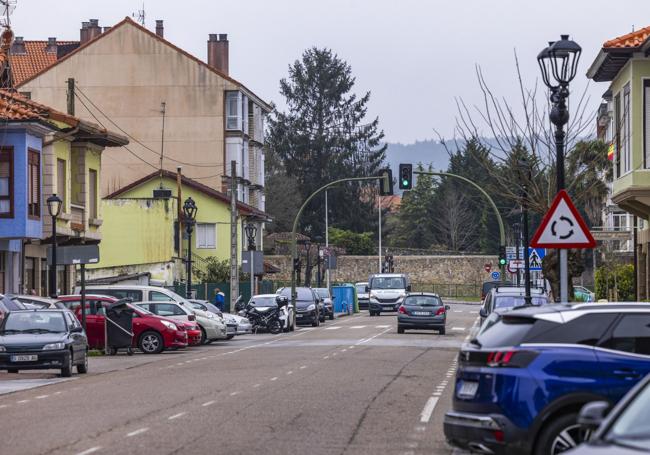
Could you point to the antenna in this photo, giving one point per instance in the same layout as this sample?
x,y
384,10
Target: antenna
x,y
8,7
139,14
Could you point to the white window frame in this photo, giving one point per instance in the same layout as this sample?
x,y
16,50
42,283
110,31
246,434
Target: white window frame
x,y
626,127
202,240
233,119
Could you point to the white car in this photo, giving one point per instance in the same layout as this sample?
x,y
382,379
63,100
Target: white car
x,y
236,325
212,327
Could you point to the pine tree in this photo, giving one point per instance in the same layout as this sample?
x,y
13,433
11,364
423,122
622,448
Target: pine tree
x,y
416,214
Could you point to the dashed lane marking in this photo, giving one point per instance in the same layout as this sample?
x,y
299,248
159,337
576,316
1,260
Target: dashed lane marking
x,y
460,329
137,432
89,451
274,378
382,326
302,367
357,326
176,416
333,328
208,403
232,394
40,397
425,415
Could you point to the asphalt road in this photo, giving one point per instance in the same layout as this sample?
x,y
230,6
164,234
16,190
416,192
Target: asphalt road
x,y
352,386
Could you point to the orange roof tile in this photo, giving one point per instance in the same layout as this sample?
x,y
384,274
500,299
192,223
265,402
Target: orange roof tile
x,y
35,60
630,40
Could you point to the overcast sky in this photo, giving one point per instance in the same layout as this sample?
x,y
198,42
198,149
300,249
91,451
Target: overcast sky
x,y
415,56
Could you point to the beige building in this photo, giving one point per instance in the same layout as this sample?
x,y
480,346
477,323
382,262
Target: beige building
x,y
126,75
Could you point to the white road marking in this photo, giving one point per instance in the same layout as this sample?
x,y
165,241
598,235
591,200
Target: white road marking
x,y
374,336
460,329
89,451
458,311
326,357
137,432
436,394
208,403
232,394
40,397
256,386
57,393
343,350
382,326
332,328
176,416
357,326
302,367
289,372
22,401
274,378
425,415
3,406
333,354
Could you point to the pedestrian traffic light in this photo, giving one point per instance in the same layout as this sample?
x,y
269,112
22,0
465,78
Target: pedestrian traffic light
x,y
405,176
502,256
386,182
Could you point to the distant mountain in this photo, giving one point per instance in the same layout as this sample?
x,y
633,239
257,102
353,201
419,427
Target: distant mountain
x,y
425,152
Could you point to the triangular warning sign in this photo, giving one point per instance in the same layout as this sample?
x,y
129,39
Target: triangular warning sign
x,y
563,227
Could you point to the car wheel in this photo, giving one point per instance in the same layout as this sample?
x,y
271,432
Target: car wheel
x,y
12,370
82,368
66,371
442,331
204,337
293,326
230,337
322,318
331,316
560,435
400,329
151,343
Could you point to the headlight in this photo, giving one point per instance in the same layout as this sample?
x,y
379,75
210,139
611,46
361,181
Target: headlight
x,y
243,322
54,346
170,325
3,349
399,300
373,297
311,307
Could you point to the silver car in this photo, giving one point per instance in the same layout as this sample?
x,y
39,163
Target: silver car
x,y
235,324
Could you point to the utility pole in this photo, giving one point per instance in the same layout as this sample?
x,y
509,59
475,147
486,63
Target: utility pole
x,y
71,96
379,210
179,210
327,244
234,276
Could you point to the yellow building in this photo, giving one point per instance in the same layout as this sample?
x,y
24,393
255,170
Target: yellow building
x,y
140,235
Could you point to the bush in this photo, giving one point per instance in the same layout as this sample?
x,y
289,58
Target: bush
x,y
617,278
354,243
216,271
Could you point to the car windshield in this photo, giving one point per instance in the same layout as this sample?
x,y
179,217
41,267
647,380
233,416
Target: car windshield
x,y
323,292
361,288
35,321
631,427
302,293
139,308
504,332
211,308
264,301
422,300
511,301
388,283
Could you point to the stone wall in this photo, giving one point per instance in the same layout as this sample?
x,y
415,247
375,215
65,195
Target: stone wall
x,y
421,269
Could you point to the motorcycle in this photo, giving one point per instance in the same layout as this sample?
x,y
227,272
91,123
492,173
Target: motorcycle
x,y
268,319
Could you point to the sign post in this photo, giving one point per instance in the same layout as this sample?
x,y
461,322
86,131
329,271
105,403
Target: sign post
x,y
563,228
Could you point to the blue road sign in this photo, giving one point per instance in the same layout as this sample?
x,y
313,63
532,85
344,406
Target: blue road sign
x,y
535,256
496,275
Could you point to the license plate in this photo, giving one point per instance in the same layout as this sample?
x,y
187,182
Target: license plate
x,y
299,315
24,358
467,389
422,313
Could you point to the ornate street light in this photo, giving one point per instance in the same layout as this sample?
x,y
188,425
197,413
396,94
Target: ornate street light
x,y
251,232
54,204
189,217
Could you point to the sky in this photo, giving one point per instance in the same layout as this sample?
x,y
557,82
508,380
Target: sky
x,y
416,57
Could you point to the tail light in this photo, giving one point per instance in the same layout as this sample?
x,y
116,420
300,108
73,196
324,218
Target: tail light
x,y
191,317
440,311
497,359
402,310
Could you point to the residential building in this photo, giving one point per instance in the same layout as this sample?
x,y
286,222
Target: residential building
x,y
141,230
210,119
623,62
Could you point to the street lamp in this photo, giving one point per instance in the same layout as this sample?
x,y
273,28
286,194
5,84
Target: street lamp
x,y
54,203
251,231
189,217
559,63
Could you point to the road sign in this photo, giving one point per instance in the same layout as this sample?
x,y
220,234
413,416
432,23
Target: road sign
x,y
515,264
496,275
511,252
535,256
74,254
488,267
563,227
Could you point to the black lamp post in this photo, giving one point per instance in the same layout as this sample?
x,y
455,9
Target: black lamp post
x,y
54,203
559,63
251,231
307,246
526,176
189,215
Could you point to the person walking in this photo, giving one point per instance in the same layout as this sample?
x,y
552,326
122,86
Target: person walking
x,y
219,299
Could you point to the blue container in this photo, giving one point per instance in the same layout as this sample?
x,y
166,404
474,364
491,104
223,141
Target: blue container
x,y
345,299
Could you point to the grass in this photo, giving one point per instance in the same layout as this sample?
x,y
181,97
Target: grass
x,y
95,353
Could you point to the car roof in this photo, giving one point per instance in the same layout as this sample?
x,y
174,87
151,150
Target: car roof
x,y
73,297
34,298
429,294
42,310
516,290
267,295
126,286
388,275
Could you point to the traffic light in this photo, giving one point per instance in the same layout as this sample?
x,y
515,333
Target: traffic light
x,y
405,176
386,182
502,256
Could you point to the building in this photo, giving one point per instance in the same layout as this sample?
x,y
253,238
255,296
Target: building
x,y
210,119
141,230
623,62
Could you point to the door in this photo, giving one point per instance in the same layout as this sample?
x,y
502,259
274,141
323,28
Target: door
x,y
95,320
625,353
78,342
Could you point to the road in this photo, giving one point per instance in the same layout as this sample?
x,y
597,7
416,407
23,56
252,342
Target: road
x,y
352,386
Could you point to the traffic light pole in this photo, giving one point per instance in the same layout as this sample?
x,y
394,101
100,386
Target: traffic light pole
x,y
294,240
502,231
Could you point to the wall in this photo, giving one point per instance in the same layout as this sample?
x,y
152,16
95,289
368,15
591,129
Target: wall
x,y
421,269
160,272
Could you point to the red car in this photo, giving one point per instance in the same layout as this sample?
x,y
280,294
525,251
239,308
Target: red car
x,y
151,334
193,332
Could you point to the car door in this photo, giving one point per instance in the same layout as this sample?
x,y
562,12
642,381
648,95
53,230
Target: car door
x,y
78,338
94,329
624,352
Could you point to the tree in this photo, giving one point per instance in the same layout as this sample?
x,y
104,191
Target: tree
x,y
282,198
324,136
353,243
216,271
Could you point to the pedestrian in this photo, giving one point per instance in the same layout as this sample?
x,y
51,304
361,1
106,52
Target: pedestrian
x,y
219,299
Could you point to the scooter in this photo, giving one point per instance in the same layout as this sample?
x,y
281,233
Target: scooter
x,y
269,319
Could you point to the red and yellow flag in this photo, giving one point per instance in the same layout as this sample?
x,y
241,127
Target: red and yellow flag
x,y
610,152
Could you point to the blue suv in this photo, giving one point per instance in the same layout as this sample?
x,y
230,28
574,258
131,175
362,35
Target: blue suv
x,y
522,381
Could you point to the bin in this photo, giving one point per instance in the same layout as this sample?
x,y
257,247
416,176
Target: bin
x,y
119,327
345,299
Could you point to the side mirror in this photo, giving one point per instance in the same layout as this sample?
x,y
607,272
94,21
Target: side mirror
x,y
367,289
447,307
408,288
76,330
483,313
592,414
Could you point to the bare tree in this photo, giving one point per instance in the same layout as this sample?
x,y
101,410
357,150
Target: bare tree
x,y
454,221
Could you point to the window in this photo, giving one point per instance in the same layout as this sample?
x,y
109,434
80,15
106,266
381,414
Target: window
x,y
233,111
167,309
3,269
61,179
627,136
244,104
631,334
30,275
34,185
44,276
617,135
587,330
646,123
206,235
159,297
92,194
6,182
135,296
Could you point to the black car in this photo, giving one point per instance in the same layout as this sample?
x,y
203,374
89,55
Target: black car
x,y
326,303
307,305
43,339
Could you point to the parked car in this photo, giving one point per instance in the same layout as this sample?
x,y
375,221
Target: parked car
x,y
194,333
271,301
622,431
7,305
489,285
422,310
521,382
151,334
386,292
43,339
38,302
307,307
505,298
362,295
235,324
582,294
327,303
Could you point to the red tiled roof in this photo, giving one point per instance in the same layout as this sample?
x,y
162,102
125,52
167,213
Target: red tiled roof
x,y
18,108
630,40
35,60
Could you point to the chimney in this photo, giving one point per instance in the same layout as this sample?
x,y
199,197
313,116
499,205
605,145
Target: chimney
x,y
94,30
84,33
107,28
218,52
160,29
51,47
18,46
